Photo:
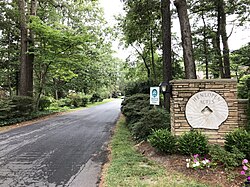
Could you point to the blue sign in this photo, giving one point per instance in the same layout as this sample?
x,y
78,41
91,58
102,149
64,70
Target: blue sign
x,y
154,95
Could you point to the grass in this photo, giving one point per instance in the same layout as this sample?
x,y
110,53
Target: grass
x,y
99,103
129,168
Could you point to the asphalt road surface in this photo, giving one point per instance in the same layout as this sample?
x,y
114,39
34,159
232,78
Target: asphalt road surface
x,y
66,150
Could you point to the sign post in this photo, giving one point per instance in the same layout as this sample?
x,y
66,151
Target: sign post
x,y
154,95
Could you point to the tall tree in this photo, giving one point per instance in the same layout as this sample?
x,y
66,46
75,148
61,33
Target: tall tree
x,y
25,90
186,37
223,24
166,47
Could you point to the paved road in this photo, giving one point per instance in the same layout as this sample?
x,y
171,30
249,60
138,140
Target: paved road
x,y
65,150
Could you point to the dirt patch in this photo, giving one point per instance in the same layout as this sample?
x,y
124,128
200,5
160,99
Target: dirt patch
x,y
177,163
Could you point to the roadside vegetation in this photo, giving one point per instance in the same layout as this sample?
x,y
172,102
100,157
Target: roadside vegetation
x,y
19,109
129,168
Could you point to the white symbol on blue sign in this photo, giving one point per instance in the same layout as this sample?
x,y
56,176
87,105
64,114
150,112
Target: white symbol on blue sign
x,y
154,93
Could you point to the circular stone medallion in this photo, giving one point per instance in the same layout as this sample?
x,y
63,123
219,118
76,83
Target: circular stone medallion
x,y
206,110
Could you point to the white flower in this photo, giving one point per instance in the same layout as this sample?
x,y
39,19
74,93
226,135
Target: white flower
x,y
188,165
198,163
187,160
204,162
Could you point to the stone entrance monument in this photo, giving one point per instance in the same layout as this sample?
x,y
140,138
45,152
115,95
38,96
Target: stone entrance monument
x,y
208,105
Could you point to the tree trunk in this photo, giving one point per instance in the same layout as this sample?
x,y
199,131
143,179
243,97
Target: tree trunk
x,y
205,43
31,56
166,48
190,70
145,63
152,54
224,41
23,88
218,34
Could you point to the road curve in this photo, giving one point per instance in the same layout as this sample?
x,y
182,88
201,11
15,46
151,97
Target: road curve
x,y
65,150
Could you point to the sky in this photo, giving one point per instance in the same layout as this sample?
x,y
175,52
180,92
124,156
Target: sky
x,y
115,7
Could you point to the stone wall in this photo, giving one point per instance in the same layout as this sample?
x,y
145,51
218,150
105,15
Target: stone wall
x,y
242,112
182,90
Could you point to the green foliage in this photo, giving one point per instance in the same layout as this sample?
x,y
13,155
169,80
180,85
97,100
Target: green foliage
x,y
136,87
248,109
243,87
22,106
17,106
133,105
240,139
141,118
150,120
64,102
163,140
45,102
85,101
226,158
75,99
193,142
5,109
96,97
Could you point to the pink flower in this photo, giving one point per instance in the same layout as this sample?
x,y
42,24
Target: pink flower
x,y
244,161
195,160
242,172
196,155
248,178
245,168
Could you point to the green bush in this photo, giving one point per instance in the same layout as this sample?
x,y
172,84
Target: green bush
x,y
45,102
85,101
228,159
96,98
193,142
75,99
21,106
240,139
248,110
150,120
16,106
163,140
243,87
132,107
64,102
5,109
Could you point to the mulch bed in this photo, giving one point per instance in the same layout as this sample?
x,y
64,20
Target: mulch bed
x,y
216,176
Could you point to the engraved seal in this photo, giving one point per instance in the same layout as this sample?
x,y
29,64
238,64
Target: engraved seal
x,y
206,109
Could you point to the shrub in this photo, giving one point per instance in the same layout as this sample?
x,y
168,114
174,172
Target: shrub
x,y
85,101
193,142
21,106
75,100
150,120
133,105
163,140
226,158
45,102
248,110
5,109
240,139
95,98
16,106
243,87
64,102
